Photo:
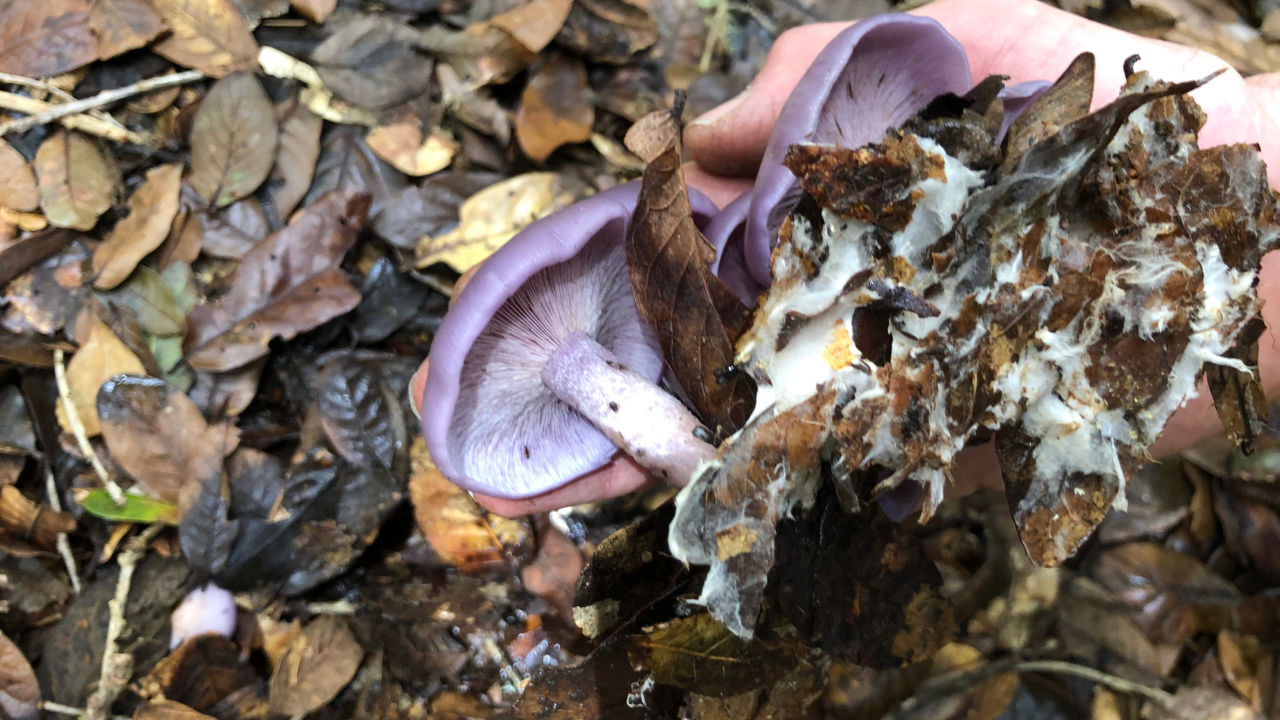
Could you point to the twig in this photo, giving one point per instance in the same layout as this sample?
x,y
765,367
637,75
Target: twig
x,y
77,429
56,91
84,123
117,667
102,99
64,546
1118,684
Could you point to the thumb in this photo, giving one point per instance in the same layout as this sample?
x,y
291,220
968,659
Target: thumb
x,y
730,139
1263,92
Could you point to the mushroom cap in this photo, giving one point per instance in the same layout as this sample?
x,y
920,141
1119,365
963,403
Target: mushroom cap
x,y
490,425
872,76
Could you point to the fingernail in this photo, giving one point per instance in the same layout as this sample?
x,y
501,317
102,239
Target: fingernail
x,y
723,110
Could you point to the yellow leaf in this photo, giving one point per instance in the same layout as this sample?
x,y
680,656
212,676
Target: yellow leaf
x,y
493,216
402,145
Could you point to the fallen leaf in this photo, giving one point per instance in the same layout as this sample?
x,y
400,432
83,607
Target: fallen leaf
x,y
534,24
428,209
296,161
1066,101
159,436
39,39
555,107
347,163
696,317
1173,595
47,296
78,180
317,665
136,508
205,674
403,145
368,62
232,231
18,189
609,31
1203,703
491,217
458,529
123,25
553,572
701,655
151,211
314,10
100,358
19,691
208,35
233,140
162,709
363,418
288,283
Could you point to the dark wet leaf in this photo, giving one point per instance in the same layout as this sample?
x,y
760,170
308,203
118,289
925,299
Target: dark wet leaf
x,y
206,675
361,414
391,299
696,317
45,38
232,231
347,163
610,31
428,209
1237,393
597,687
701,655
233,140
205,530
315,667
861,588
288,283
631,579
367,62
160,437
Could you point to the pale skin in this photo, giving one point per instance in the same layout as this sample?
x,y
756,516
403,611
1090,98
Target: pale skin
x,y
1025,40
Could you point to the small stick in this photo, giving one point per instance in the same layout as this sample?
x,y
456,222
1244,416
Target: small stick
x,y
84,123
64,546
117,667
1118,684
77,429
102,99
57,92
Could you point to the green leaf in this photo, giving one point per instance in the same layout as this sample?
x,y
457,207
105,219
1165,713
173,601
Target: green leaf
x,y
136,508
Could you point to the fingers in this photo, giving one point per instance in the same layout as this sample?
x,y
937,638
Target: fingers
x,y
722,190
621,476
730,139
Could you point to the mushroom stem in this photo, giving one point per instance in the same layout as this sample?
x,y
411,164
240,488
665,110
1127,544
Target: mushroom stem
x,y
642,419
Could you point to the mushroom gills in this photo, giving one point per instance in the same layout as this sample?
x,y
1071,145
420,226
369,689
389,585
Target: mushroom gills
x,y
642,419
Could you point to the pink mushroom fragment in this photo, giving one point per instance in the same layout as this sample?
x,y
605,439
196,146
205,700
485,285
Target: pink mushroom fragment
x,y
543,368
205,610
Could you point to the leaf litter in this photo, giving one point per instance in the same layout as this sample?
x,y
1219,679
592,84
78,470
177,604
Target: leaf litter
x,y
238,296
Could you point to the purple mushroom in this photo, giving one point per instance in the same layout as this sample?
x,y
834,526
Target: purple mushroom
x,y
543,368
870,77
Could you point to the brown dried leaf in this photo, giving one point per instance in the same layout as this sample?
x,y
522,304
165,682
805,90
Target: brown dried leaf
x,y
368,61
78,180
296,161
459,530
1174,594
696,317
701,655
491,217
232,231
553,572
38,39
314,10
162,709
208,35
1066,101
100,358
18,189
1203,703
534,24
555,107
151,212
159,436
1237,394
233,140
288,283
315,668
19,691
402,144
123,25
652,134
